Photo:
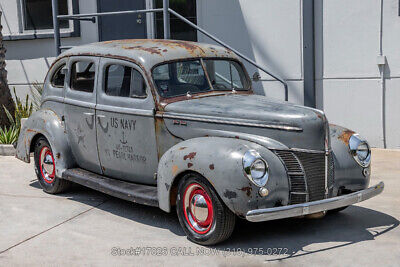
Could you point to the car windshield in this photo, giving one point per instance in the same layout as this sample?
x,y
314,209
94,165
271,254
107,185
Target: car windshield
x,y
188,77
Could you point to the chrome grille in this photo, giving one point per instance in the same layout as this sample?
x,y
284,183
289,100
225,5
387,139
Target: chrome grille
x,y
297,182
306,173
314,166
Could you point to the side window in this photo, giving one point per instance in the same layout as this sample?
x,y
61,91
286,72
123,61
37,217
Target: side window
x,y
124,81
82,76
59,76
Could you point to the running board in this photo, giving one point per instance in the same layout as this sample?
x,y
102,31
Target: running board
x,y
138,193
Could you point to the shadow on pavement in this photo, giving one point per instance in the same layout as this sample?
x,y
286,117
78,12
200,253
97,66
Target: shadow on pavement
x,y
353,225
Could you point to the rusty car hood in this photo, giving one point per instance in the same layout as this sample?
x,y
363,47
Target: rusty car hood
x,y
292,125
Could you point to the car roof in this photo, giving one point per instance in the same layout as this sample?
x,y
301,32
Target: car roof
x,y
150,52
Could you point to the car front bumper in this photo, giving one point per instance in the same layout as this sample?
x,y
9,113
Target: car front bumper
x,y
269,214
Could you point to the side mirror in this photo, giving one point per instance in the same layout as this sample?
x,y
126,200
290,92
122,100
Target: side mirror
x,y
256,76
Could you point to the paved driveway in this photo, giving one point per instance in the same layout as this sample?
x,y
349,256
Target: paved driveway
x,y
84,227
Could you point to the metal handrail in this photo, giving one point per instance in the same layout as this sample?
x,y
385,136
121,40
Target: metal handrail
x,y
166,11
109,13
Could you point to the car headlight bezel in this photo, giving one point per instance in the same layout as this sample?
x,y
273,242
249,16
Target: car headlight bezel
x,y
360,150
255,168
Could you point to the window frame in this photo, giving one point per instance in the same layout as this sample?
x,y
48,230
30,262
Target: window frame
x,y
73,29
250,85
104,73
60,67
94,79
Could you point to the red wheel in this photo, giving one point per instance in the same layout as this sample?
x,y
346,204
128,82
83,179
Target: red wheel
x,y
45,167
198,208
202,214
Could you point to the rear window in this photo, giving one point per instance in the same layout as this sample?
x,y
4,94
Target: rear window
x,y
82,76
59,76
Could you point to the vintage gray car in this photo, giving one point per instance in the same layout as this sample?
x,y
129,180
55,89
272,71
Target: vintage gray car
x,y
176,124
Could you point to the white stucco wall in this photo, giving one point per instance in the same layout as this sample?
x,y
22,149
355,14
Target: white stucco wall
x,y
268,31
28,60
348,84
348,79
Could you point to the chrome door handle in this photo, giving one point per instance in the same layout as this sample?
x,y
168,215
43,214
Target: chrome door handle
x,y
88,114
100,116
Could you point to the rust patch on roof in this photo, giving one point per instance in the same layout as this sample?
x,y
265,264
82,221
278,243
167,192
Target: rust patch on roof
x,y
345,136
159,46
152,50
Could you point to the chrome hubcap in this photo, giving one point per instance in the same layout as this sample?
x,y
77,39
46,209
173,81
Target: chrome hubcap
x,y
198,208
47,167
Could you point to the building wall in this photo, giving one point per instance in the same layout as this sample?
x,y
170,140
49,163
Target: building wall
x,y
348,79
268,31
28,58
347,43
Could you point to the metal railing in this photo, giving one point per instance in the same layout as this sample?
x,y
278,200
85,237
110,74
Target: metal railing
x,y
166,13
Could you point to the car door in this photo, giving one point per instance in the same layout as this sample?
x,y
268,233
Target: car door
x,y
80,102
125,123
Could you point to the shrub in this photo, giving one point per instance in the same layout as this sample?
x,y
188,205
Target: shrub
x,y
9,135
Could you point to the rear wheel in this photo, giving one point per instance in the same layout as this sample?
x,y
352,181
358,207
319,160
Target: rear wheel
x,y
46,170
203,216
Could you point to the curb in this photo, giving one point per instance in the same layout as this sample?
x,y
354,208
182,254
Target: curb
x,y
7,150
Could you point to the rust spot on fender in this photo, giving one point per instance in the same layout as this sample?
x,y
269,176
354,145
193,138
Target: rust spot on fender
x,y
345,136
211,166
190,165
175,169
230,194
58,155
246,189
190,156
182,148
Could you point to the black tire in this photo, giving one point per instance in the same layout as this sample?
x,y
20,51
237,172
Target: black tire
x,y
222,221
338,209
50,183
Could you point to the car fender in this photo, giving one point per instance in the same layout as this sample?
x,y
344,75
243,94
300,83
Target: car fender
x,y
219,160
348,173
47,123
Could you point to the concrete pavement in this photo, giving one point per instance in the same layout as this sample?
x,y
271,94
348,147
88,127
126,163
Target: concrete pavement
x,y
84,227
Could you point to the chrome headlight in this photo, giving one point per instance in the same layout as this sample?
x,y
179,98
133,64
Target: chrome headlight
x,y
255,168
360,150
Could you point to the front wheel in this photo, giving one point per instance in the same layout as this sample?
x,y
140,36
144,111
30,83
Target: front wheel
x,y
203,216
45,168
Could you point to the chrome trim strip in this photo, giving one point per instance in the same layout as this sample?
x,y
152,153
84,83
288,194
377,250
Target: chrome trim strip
x,y
269,214
79,103
131,111
58,99
229,121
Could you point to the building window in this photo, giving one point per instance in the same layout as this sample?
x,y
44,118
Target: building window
x,y
179,29
37,14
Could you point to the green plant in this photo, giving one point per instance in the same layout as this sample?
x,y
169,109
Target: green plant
x,y
9,135
22,110
36,93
